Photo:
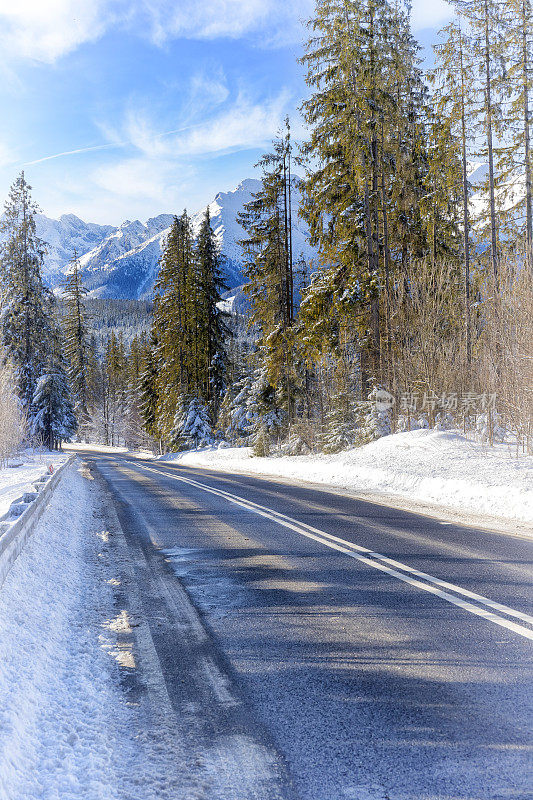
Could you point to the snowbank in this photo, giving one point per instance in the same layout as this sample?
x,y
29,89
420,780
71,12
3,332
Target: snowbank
x,y
68,729
438,467
18,478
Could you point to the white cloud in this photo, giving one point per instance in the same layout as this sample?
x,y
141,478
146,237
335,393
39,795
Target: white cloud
x,y
246,123
275,21
162,171
208,89
45,30
430,13
159,181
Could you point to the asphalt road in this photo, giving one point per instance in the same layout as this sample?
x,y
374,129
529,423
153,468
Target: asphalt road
x,y
383,655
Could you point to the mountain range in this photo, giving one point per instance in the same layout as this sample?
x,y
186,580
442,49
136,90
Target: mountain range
x,y
122,262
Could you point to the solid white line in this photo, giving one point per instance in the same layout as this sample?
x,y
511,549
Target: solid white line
x,y
374,560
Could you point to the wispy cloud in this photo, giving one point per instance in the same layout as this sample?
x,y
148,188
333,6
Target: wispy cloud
x,y
244,123
271,21
161,172
78,151
46,30
7,156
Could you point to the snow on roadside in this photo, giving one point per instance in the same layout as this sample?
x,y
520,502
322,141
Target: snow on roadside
x,y
438,467
22,472
67,731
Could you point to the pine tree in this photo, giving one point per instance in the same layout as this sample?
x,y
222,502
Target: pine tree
x,y
269,269
26,312
52,417
236,417
212,328
148,397
115,388
175,323
516,153
368,148
192,427
134,435
77,345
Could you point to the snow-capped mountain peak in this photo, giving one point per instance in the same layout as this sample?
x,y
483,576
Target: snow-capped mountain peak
x,y
123,261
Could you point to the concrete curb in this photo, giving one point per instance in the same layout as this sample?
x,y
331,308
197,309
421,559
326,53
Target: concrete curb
x,y
14,535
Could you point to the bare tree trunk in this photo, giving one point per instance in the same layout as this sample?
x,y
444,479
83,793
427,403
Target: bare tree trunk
x,y
466,220
488,109
527,124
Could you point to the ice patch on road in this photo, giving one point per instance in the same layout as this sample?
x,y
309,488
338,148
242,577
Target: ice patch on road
x,y
201,575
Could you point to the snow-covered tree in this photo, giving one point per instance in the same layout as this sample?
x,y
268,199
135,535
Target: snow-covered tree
x,y
192,427
265,412
77,344
340,422
25,313
236,418
52,419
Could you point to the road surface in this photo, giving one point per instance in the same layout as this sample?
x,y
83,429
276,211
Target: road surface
x,y
376,653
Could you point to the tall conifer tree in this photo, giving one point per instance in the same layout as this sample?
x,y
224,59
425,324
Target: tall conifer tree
x,y
26,315
77,345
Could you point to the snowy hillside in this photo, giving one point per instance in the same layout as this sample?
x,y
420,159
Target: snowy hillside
x,y
441,468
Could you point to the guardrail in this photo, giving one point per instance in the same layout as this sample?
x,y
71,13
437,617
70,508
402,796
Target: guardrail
x,y
15,534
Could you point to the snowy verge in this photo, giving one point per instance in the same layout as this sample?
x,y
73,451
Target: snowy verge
x,y
19,477
69,729
441,468
23,516
58,697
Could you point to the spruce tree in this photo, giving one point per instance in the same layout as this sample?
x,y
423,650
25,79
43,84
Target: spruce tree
x,y
516,153
52,418
174,322
26,312
77,345
454,98
115,388
269,268
148,397
368,150
212,328
192,427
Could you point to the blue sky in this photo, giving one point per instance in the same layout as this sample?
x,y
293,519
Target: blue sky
x,y
124,109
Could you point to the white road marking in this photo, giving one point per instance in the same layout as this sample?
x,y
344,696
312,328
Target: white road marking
x,y
377,561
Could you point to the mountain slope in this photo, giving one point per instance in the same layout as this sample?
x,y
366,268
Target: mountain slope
x,y
63,237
